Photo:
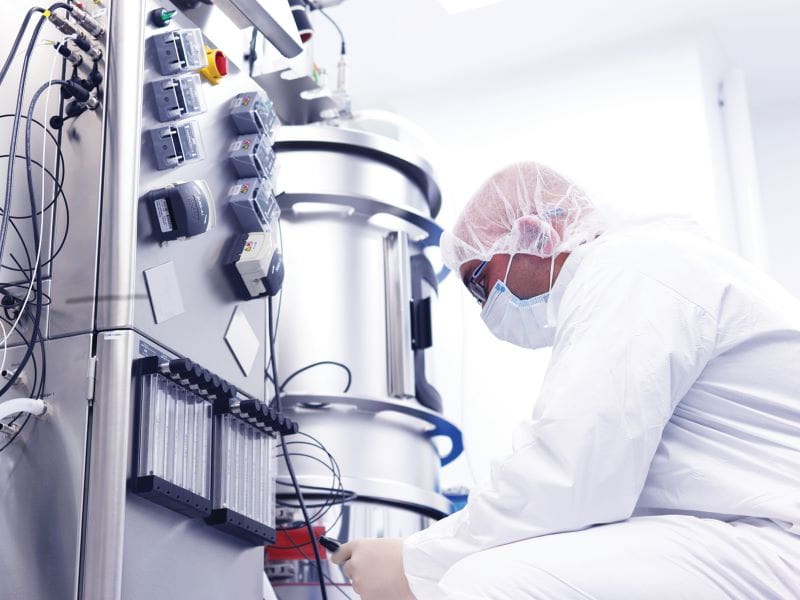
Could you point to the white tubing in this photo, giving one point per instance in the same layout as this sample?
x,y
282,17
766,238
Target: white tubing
x,y
17,405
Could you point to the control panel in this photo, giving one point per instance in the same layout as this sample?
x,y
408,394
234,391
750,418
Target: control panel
x,y
206,182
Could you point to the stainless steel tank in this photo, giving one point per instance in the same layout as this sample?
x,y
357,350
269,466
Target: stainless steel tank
x,y
358,216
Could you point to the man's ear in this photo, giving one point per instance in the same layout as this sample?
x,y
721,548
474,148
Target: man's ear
x,y
535,236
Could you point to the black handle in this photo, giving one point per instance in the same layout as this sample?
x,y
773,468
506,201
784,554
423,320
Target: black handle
x,y
330,544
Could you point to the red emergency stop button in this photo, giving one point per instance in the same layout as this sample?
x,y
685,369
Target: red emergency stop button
x,y
217,65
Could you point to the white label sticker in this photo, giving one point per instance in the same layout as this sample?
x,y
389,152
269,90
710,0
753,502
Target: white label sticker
x,y
162,212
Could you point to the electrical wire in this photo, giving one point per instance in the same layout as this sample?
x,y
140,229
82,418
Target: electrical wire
x,y
318,516
338,586
317,364
15,46
327,16
336,494
14,134
36,233
17,116
288,459
39,393
280,295
37,237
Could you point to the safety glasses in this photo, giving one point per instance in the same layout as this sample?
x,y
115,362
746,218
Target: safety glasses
x,y
478,290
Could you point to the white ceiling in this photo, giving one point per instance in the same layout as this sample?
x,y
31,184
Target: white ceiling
x,y
410,45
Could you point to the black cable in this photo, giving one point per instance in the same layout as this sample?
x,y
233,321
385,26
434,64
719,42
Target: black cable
x,y
326,504
327,16
34,226
336,494
29,270
15,127
45,172
280,294
14,133
299,548
287,458
59,191
54,254
37,394
317,364
15,46
57,178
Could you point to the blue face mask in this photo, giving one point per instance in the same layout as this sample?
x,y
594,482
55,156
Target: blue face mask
x,y
520,322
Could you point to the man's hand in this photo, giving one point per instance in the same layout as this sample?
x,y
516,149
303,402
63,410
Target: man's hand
x,y
375,568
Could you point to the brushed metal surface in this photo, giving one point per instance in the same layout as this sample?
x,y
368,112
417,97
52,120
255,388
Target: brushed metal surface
x,y
399,354
41,481
101,564
330,256
209,299
73,271
378,149
120,194
170,557
333,216
403,464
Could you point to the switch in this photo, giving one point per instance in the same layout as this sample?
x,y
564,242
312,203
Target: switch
x,y
216,67
161,17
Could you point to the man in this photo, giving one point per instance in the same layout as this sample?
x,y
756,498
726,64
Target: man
x,y
662,459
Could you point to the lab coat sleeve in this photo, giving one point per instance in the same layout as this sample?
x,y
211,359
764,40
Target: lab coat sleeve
x,y
627,349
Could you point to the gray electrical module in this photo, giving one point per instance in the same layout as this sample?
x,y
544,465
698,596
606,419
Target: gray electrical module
x,y
176,144
177,97
252,156
180,51
254,205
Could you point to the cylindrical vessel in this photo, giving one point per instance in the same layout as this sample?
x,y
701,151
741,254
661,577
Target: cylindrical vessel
x,y
358,212
357,216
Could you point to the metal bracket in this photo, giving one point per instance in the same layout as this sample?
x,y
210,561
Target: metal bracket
x,y
91,378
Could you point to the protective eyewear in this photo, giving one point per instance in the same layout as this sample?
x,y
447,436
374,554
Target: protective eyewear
x,y
475,288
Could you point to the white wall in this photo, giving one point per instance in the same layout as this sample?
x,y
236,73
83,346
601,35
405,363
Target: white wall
x,y
632,126
777,138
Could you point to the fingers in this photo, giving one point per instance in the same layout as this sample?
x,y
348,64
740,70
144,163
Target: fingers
x,y
343,554
348,570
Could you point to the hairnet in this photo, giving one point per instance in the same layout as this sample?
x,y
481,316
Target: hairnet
x,y
526,208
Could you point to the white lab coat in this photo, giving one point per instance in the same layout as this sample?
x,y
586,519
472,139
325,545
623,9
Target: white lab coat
x,y
673,389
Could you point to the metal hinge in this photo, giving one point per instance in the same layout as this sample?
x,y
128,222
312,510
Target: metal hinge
x,y
91,378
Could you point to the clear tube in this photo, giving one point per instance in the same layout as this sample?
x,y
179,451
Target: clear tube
x,y
169,433
187,398
226,459
273,471
149,395
258,484
196,456
205,449
237,478
161,429
247,469
180,412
